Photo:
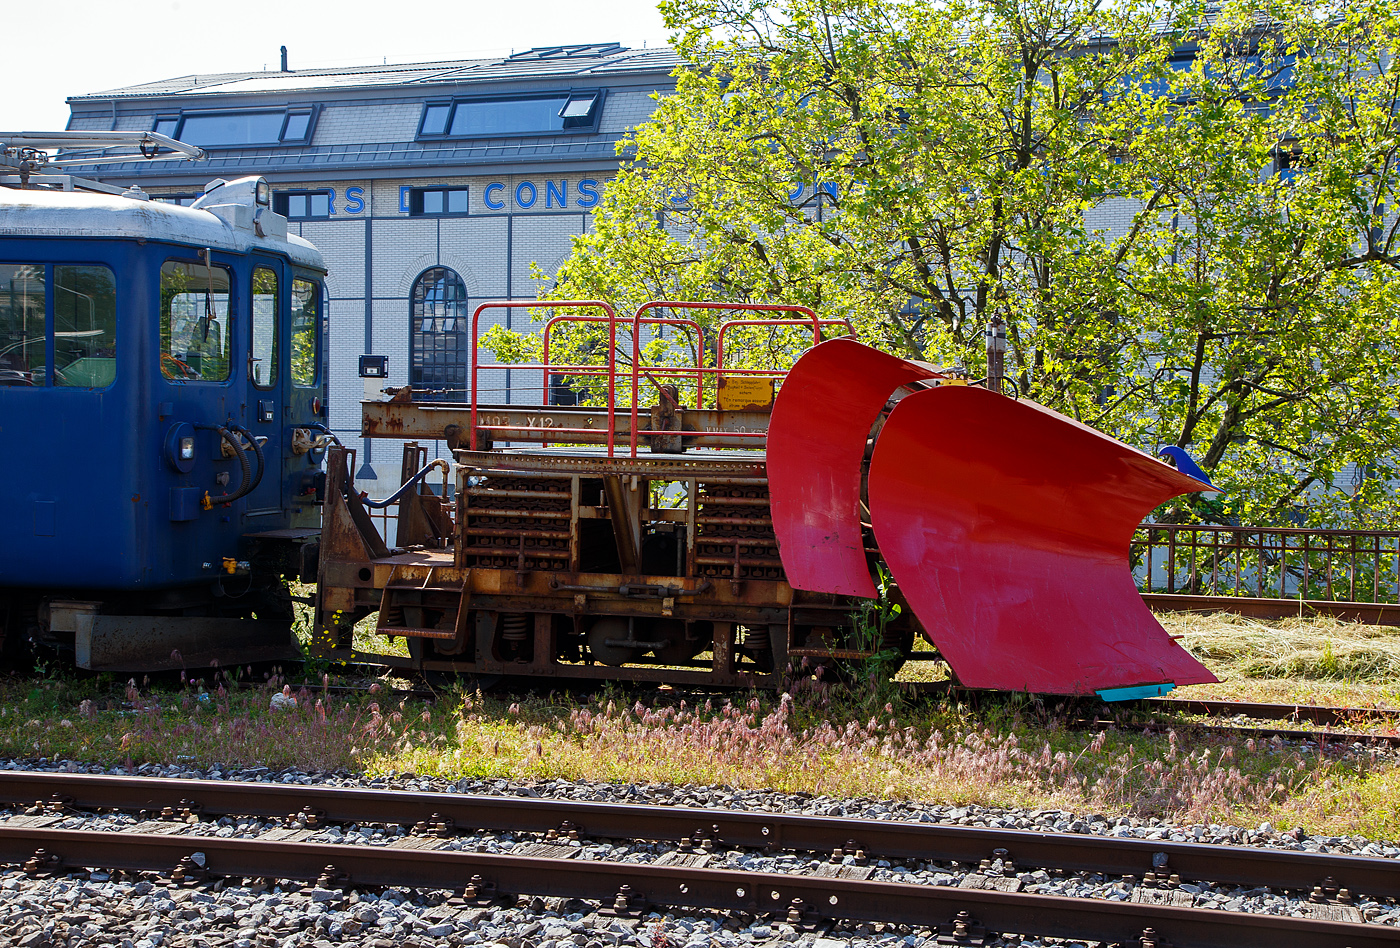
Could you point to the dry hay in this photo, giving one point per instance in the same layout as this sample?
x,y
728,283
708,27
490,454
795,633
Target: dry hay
x,y
1307,648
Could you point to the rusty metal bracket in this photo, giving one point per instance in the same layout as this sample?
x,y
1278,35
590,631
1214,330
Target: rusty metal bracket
x,y
962,930
56,803
308,817
567,830
188,872
479,892
332,878
42,863
435,825
626,904
635,590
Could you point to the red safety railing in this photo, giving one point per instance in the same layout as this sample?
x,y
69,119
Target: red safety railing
x,y
696,372
637,320
553,304
815,323
690,304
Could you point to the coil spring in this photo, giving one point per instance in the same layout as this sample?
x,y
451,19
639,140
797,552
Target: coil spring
x,y
514,626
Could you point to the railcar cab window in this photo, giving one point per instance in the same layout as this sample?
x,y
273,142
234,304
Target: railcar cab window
x,y
306,339
302,205
262,359
82,338
238,129
194,322
560,112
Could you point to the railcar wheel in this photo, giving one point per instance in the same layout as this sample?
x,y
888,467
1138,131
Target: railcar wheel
x,y
610,629
678,649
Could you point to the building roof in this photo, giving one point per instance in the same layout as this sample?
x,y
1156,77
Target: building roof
x,y
607,66
592,60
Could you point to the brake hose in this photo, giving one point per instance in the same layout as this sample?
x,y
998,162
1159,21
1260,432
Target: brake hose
x,y
317,426
257,452
211,502
403,489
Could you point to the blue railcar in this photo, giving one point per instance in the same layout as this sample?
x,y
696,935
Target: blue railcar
x,y
161,407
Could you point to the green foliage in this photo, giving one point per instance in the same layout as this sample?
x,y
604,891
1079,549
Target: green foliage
x,y
1158,278
872,679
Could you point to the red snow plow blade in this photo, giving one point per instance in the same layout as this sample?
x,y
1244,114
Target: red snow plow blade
x,y
816,445
1005,525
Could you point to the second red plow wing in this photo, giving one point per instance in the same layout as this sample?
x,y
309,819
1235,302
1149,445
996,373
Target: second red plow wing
x,y
1007,528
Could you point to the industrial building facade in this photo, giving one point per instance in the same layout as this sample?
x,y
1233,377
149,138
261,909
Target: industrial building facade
x,y
428,187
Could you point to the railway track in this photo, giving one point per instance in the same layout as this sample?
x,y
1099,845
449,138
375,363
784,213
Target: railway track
x,y
175,838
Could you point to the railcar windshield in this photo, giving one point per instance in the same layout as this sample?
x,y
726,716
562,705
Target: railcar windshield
x,y
263,367
194,322
58,326
306,323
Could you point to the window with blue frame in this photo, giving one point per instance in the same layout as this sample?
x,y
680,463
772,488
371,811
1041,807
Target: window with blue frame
x,y
560,112
429,202
235,129
302,205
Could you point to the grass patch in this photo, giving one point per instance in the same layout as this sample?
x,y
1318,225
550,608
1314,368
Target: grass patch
x,y
820,740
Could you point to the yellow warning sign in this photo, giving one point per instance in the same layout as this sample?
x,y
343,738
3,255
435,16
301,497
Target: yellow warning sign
x,y
745,393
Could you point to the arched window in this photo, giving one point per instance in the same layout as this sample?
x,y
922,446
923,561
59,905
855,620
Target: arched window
x,y
438,333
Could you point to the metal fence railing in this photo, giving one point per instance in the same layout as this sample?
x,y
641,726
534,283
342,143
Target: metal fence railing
x,y
1285,563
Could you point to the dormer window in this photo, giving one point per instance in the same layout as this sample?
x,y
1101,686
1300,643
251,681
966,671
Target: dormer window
x,y
238,129
549,113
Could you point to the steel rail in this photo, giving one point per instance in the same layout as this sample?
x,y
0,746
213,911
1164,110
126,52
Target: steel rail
x,y
1317,714
1234,865
483,874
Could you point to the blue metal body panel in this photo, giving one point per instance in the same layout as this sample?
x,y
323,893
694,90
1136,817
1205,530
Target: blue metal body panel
x,y
88,499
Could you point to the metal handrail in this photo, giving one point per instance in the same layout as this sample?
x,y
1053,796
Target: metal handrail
x,y
1322,564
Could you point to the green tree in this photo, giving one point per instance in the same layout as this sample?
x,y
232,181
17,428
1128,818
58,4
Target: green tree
x,y
1061,164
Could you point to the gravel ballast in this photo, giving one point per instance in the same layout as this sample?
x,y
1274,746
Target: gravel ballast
x,y
141,911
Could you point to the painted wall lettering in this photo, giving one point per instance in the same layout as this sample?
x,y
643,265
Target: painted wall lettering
x,y
587,193
559,193
584,195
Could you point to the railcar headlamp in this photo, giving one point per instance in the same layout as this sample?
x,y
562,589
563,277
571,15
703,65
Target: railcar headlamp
x,y
179,447
263,194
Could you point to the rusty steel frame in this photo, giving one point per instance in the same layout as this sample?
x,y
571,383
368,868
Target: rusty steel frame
x,y
480,874
710,427
405,585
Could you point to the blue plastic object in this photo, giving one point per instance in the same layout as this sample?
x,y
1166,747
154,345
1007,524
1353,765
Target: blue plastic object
x,y
1137,692
1185,463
